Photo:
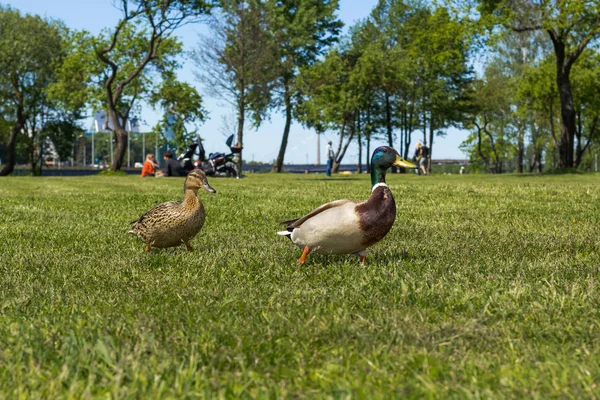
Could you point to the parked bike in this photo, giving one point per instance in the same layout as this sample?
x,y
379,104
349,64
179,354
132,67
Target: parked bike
x,y
216,164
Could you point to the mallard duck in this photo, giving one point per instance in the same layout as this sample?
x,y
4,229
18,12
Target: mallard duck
x,y
348,226
175,222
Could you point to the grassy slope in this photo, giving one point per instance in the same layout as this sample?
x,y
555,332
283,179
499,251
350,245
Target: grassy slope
x,y
486,286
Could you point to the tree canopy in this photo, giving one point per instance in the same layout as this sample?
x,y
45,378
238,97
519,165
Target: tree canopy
x,y
521,77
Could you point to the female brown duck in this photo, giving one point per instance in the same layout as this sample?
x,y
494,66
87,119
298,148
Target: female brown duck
x,y
175,222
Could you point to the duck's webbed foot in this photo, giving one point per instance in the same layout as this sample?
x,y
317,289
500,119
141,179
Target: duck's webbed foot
x,y
362,255
189,248
302,258
147,249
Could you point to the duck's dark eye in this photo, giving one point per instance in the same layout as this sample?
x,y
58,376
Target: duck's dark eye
x,y
385,150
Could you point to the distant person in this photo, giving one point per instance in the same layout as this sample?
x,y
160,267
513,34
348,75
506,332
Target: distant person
x,y
172,166
330,157
462,170
149,166
422,157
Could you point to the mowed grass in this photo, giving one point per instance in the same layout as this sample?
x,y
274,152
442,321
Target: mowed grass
x,y
485,287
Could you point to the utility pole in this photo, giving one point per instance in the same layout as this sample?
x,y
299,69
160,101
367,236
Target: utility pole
x,y
318,149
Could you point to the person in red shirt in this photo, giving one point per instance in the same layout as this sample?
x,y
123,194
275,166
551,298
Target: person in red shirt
x,y
148,167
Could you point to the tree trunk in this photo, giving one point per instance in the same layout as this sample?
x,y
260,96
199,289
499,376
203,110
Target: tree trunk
x,y
120,137
581,150
286,131
388,120
567,110
408,134
520,150
425,127
240,131
402,125
340,142
388,125
340,156
9,167
368,138
479,152
537,149
567,122
359,139
35,152
430,144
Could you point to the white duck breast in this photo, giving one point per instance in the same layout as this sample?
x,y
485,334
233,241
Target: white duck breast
x,y
332,231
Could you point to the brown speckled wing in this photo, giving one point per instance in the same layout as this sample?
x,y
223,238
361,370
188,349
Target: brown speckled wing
x,y
156,212
294,223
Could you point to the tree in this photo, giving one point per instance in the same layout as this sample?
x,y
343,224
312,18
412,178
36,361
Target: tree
x,y
571,26
586,86
517,53
141,39
537,99
413,65
330,99
490,144
237,63
303,30
441,50
31,49
182,106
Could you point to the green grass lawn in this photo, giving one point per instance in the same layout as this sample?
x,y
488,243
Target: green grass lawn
x,y
485,287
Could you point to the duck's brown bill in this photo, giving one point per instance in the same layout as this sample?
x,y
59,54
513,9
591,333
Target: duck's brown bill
x,y
209,188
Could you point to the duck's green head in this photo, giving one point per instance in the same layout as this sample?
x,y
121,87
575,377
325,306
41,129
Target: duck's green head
x,y
385,157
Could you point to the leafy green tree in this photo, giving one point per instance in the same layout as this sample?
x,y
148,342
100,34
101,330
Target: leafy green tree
x,y
491,144
586,86
330,99
238,62
538,101
571,27
413,65
182,107
303,30
441,51
124,65
31,49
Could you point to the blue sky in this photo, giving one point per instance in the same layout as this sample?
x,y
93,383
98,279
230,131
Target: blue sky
x,y
259,145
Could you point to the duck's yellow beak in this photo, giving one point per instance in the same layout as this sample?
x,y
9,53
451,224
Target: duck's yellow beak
x,y
401,162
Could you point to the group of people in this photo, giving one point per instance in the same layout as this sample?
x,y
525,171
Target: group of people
x,y
172,167
151,168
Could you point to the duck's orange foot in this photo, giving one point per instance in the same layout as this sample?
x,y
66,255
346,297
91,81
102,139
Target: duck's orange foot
x,y
189,248
363,259
302,258
147,249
